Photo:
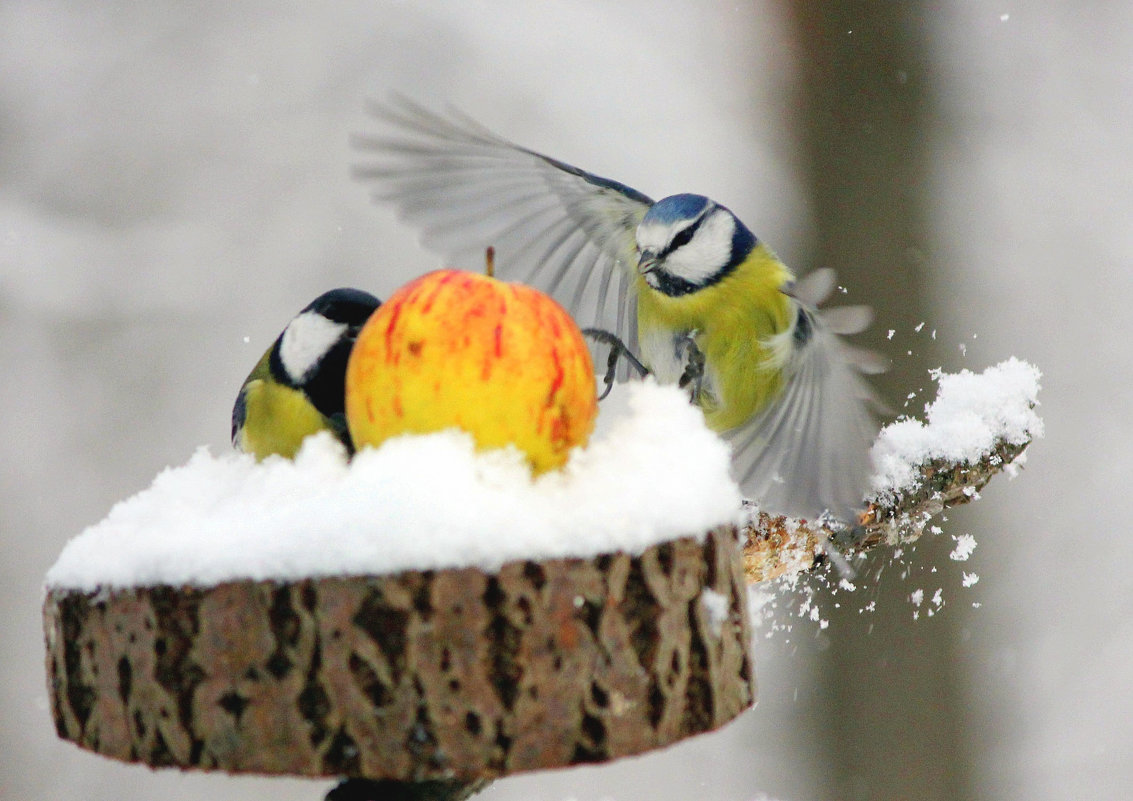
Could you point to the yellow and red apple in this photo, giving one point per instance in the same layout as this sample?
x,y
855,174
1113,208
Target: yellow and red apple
x,y
502,361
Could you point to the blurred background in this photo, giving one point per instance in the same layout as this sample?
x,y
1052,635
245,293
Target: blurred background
x,y
174,186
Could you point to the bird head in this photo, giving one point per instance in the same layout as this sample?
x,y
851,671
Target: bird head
x,y
686,242
330,321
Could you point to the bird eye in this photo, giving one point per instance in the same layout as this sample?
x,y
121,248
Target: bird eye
x,y
683,238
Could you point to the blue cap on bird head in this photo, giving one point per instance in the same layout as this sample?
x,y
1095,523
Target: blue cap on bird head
x,y
676,207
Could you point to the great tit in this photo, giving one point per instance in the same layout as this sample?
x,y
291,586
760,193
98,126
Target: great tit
x,y
681,280
297,387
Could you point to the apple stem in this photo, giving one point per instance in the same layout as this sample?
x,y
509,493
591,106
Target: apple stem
x,y
490,262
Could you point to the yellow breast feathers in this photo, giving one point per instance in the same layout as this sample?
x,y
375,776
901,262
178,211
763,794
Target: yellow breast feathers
x,y
737,322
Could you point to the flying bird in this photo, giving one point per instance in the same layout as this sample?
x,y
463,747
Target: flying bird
x,y
681,281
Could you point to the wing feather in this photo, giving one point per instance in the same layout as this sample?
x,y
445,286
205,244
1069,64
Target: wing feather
x,y
562,229
571,233
808,451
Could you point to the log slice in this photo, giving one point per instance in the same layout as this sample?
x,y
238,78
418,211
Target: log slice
x,y
443,674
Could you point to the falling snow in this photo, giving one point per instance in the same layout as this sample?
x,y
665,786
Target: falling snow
x,y
965,544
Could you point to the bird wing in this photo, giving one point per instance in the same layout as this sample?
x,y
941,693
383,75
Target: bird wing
x,y
553,226
809,450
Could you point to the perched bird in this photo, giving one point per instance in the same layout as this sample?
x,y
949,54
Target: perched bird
x,y
297,387
681,281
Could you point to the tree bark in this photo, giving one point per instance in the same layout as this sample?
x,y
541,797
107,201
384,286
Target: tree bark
x,y
441,675
777,546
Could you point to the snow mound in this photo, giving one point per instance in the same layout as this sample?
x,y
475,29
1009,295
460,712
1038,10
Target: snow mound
x,y
971,414
652,472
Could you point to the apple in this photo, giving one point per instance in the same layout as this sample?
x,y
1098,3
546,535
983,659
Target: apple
x,y
502,361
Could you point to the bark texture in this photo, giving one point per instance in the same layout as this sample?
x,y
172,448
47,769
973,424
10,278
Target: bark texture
x,y
778,546
449,674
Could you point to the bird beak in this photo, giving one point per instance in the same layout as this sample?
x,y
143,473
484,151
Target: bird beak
x,y
647,261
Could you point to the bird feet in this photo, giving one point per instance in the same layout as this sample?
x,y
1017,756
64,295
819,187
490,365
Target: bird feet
x,y
618,349
693,375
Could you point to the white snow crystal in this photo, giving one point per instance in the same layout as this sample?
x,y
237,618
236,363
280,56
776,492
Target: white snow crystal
x,y
651,472
761,604
716,606
965,544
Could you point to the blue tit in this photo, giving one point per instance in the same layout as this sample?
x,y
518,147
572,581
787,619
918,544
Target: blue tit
x,y
297,387
682,281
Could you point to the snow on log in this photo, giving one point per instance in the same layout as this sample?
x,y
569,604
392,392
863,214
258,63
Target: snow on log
x,y
428,614
424,614
979,425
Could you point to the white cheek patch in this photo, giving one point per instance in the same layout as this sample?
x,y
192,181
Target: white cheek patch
x,y
654,236
305,341
707,252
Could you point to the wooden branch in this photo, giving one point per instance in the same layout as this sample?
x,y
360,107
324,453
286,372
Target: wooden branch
x,y
778,546
426,677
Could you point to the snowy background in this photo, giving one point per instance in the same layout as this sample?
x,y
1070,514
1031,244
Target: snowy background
x,y
174,186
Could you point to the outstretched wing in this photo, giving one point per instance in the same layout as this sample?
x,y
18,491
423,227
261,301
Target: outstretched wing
x,y
552,225
809,451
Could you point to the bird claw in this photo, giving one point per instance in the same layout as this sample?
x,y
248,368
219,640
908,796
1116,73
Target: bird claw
x,y
618,349
693,374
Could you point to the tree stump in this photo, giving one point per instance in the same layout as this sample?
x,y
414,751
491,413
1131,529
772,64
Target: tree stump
x,y
446,674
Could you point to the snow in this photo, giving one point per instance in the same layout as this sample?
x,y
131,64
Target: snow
x,y
965,544
971,413
716,605
429,502
652,472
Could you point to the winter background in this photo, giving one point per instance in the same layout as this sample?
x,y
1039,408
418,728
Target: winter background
x,y
174,186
